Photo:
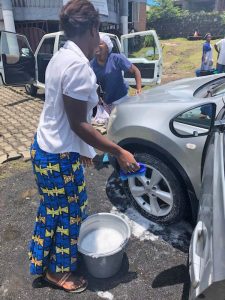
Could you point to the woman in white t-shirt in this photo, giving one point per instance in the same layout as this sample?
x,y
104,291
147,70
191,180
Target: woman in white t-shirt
x,y
63,142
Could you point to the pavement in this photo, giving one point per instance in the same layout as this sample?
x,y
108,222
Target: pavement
x,y
19,116
155,261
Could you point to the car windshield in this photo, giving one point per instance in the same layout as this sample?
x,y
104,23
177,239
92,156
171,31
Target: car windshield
x,y
211,89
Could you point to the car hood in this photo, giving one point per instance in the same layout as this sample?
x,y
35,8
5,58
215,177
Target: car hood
x,y
179,90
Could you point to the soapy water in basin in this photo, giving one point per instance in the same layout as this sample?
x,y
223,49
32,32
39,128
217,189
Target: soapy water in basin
x,y
102,240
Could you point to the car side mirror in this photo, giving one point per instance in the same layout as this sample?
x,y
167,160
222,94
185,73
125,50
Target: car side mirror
x,y
195,122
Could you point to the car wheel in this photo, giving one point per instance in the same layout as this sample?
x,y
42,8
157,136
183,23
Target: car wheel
x,y
158,195
31,90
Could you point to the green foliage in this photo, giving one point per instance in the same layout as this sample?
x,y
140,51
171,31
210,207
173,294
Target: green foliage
x,y
166,10
149,41
222,16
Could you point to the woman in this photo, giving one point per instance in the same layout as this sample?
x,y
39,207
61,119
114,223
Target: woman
x,y
63,142
207,54
109,68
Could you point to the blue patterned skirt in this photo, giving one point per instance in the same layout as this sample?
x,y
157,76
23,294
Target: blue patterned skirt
x,y
63,202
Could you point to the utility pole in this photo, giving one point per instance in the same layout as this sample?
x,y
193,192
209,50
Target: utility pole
x,y
124,16
8,18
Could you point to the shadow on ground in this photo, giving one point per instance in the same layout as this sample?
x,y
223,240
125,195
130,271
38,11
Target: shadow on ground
x,y
173,276
95,284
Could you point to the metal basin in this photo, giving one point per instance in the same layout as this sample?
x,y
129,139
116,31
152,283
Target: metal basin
x,y
102,242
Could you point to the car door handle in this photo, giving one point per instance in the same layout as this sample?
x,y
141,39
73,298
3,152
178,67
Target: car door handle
x,y
196,258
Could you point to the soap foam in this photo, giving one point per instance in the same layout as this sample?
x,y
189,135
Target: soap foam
x,y
102,240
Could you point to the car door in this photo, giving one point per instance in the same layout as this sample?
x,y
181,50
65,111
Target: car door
x,y
144,51
207,248
17,61
43,54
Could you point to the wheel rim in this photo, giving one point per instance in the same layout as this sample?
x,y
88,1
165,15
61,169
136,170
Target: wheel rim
x,y
28,88
152,192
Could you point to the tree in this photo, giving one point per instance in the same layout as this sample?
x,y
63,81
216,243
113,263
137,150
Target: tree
x,y
164,9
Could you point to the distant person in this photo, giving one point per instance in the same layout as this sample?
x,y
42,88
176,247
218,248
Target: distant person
x,y
207,54
109,68
220,48
196,33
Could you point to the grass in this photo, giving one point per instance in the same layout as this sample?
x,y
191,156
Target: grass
x,y
182,57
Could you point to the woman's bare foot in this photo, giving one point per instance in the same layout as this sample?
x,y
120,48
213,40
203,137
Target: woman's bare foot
x,y
67,281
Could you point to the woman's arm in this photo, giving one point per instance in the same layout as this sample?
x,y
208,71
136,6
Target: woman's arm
x,y
137,74
76,112
216,48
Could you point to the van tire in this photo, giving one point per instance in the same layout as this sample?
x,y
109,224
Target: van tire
x,y
31,90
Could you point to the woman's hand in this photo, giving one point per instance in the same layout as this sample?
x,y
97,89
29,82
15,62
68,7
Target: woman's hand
x,y
86,161
138,91
127,161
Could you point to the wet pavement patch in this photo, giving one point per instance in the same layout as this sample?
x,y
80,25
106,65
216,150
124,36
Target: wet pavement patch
x,y
178,235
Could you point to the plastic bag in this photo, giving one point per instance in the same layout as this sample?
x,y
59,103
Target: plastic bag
x,y
101,116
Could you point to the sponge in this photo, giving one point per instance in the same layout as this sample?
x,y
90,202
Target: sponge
x,y
140,172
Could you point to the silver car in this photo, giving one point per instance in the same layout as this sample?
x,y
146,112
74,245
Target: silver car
x,y
207,255
167,128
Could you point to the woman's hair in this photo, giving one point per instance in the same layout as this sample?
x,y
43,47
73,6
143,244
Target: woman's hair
x,y
207,34
78,16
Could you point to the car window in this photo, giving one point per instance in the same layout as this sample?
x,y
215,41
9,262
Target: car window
x,y
115,48
219,90
200,116
47,46
141,46
14,46
211,89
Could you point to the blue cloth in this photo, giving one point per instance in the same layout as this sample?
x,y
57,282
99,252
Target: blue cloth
x,y
207,110
110,76
206,47
63,201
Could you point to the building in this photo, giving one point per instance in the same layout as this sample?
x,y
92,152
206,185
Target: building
x,y
34,18
198,5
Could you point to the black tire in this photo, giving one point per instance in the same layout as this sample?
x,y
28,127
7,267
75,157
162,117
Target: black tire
x,y
178,207
31,90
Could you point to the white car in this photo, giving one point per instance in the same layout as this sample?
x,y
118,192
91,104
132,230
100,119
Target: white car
x,y
17,56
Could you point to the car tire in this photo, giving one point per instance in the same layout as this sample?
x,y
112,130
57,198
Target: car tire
x,y
149,197
31,90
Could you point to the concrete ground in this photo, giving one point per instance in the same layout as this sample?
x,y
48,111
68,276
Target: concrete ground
x,y
155,262
153,268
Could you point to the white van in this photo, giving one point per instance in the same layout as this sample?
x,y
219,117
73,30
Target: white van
x,y
141,48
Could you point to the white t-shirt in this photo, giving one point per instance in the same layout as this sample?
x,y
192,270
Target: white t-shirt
x,y
221,47
68,73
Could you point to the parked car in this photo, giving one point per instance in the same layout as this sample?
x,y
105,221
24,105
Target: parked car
x,y
207,255
142,49
167,129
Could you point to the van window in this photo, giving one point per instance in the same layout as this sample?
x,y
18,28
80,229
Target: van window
x,y
47,46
